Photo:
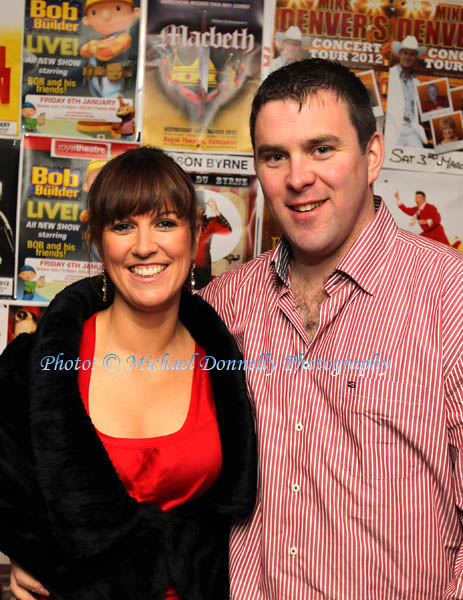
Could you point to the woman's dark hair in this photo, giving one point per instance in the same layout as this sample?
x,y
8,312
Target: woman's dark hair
x,y
139,181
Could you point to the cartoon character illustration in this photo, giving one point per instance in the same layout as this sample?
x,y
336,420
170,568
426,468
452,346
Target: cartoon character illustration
x,y
427,216
108,71
28,112
93,168
27,274
210,226
125,112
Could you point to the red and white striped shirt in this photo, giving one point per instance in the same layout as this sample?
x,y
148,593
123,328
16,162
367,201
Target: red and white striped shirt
x,y
360,437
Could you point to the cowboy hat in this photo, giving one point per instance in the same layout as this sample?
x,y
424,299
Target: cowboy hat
x,y
409,43
292,33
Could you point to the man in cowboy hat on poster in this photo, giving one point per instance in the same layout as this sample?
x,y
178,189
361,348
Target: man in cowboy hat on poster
x,y
291,45
402,124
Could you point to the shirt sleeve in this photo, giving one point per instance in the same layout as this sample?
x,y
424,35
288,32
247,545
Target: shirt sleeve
x,y
452,339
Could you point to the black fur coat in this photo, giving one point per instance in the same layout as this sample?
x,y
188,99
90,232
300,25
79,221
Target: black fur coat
x,y
64,513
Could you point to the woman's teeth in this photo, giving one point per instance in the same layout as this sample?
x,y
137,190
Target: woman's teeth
x,y
148,271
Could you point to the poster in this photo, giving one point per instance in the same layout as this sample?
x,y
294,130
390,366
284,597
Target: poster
x,y
202,70
227,210
80,61
18,317
9,167
10,68
424,128
430,206
52,249
353,32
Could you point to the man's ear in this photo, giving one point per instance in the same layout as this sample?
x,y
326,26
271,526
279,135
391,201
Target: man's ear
x,y
375,155
85,20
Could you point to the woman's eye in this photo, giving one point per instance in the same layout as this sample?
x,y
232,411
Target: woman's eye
x,y
121,227
166,224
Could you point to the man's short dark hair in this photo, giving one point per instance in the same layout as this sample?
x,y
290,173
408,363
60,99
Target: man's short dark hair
x,y
421,193
306,78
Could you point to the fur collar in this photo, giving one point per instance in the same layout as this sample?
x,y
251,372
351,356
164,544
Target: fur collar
x,y
87,504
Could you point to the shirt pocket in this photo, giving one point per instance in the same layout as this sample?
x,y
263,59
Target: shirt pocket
x,y
381,429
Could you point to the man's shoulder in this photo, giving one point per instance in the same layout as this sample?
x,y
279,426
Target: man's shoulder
x,y
425,251
248,279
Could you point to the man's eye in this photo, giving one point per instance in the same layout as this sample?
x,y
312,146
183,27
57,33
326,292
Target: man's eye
x,y
275,157
323,150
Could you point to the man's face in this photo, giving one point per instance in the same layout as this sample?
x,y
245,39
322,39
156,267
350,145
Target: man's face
x,y
433,92
291,50
315,179
110,17
420,200
407,58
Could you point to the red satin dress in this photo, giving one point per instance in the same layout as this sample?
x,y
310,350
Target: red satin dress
x,y
170,469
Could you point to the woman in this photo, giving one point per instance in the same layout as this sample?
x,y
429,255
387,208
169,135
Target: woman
x,y
122,462
448,129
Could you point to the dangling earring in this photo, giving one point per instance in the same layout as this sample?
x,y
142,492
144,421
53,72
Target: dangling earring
x,y
192,278
104,287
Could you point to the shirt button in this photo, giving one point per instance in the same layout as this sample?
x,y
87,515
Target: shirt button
x,y
299,427
296,488
293,550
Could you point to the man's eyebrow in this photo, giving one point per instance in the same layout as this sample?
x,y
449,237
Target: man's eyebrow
x,y
267,148
308,143
323,139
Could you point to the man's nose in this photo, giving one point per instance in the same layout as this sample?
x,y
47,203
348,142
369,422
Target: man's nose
x,y
301,173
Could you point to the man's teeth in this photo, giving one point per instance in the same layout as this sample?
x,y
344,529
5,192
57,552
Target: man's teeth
x,y
148,271
308,207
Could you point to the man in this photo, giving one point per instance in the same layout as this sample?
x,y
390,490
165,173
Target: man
x,y
434,101
356,333
360,413
402,123
427,216
291,46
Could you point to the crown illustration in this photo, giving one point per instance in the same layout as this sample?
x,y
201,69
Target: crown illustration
x,y
188,75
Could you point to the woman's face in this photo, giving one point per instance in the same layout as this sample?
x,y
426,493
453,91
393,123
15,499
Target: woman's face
x,y
447,132
148,258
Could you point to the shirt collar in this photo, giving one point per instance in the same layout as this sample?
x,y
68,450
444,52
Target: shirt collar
x,y
402,76
363,262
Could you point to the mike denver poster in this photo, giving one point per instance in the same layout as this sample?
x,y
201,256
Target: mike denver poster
x,y
430,206
202,70
80,62
56,176
424,118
